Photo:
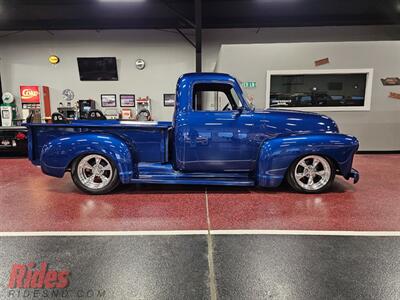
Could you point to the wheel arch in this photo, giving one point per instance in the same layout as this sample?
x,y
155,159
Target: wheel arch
x,y
58,156
278,154
86,153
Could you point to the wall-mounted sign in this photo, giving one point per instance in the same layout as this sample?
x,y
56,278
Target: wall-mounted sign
x,y
391,81
249,84
54,59
30,94
127,100
394,95
169,99
321,62
108,100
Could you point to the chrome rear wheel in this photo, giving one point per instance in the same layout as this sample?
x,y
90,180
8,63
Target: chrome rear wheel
x,y
95,174
95,171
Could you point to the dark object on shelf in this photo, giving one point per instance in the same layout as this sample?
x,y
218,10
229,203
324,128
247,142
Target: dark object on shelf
x,y
97,68
29,119
67,112
84,107
34,116
143,115
96,114
58,118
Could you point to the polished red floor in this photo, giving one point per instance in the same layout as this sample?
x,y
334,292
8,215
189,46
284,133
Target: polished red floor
x,y
372,204
31,201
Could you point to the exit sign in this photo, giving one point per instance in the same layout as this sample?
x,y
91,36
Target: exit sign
x,y
249,84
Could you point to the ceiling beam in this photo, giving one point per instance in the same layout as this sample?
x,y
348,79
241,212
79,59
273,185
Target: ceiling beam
x,y
198,10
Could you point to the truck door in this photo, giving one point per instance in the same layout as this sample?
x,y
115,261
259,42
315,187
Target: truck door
x,y
216,134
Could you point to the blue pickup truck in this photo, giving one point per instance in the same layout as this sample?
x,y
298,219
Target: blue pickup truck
x,y
216,138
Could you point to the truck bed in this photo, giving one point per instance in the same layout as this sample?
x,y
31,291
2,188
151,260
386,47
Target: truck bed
x,y
150,138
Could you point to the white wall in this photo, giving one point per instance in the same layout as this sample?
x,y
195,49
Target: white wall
x,y
213,39
23,60
377,129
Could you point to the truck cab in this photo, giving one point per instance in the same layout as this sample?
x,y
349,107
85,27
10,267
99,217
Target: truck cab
x,y
215,138
213,125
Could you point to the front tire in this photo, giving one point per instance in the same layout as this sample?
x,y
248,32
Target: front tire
x,y
311,174
95,174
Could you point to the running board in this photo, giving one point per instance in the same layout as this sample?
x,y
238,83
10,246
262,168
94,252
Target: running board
x,y
165,174
198,181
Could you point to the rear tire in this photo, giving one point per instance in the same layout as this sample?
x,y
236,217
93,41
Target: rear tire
x,y
95,174
311,174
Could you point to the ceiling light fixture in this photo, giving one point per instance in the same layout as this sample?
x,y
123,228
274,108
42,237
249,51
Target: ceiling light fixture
x,y
132,1
276,1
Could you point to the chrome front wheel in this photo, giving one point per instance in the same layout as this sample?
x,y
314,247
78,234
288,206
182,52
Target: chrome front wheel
x,y
311,174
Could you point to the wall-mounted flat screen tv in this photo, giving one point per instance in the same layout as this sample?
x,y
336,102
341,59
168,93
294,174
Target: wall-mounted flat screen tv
x,y
97,68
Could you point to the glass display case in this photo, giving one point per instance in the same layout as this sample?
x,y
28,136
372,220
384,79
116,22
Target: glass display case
x,y
320,89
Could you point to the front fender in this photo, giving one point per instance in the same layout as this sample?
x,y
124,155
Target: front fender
x,y
57,155
276,155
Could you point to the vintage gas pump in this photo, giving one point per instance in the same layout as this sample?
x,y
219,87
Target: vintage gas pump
x,y
8,110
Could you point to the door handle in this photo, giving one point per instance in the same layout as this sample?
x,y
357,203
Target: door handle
x,y
202,140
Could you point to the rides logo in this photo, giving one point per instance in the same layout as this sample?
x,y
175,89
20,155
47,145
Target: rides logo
x,y
30,276
30,94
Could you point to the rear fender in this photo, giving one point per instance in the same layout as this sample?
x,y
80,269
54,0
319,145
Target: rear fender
x,y
57,156
276,155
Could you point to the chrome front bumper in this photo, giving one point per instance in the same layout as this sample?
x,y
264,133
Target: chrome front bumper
x,y
355,175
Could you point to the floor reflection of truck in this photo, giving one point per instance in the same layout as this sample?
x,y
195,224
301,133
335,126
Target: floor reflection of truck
x,y
234,145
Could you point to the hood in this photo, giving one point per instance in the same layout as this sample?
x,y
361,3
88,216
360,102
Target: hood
x,y
291,121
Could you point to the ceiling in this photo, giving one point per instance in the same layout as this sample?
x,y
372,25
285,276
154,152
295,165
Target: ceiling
x,y
162,14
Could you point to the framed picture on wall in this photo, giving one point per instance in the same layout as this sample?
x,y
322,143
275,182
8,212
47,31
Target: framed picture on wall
x,y
127,100
108,100
169,99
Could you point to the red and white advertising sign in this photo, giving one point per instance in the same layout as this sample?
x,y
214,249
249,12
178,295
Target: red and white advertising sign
x,y
30,94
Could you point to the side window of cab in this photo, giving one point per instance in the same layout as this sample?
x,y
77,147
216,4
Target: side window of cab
x,y
215,97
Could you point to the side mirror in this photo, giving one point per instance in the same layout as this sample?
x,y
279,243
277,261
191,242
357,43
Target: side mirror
x,y
239,111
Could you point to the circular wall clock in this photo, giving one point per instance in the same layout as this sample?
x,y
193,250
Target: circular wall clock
x,y
140,64
68,95
54,59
